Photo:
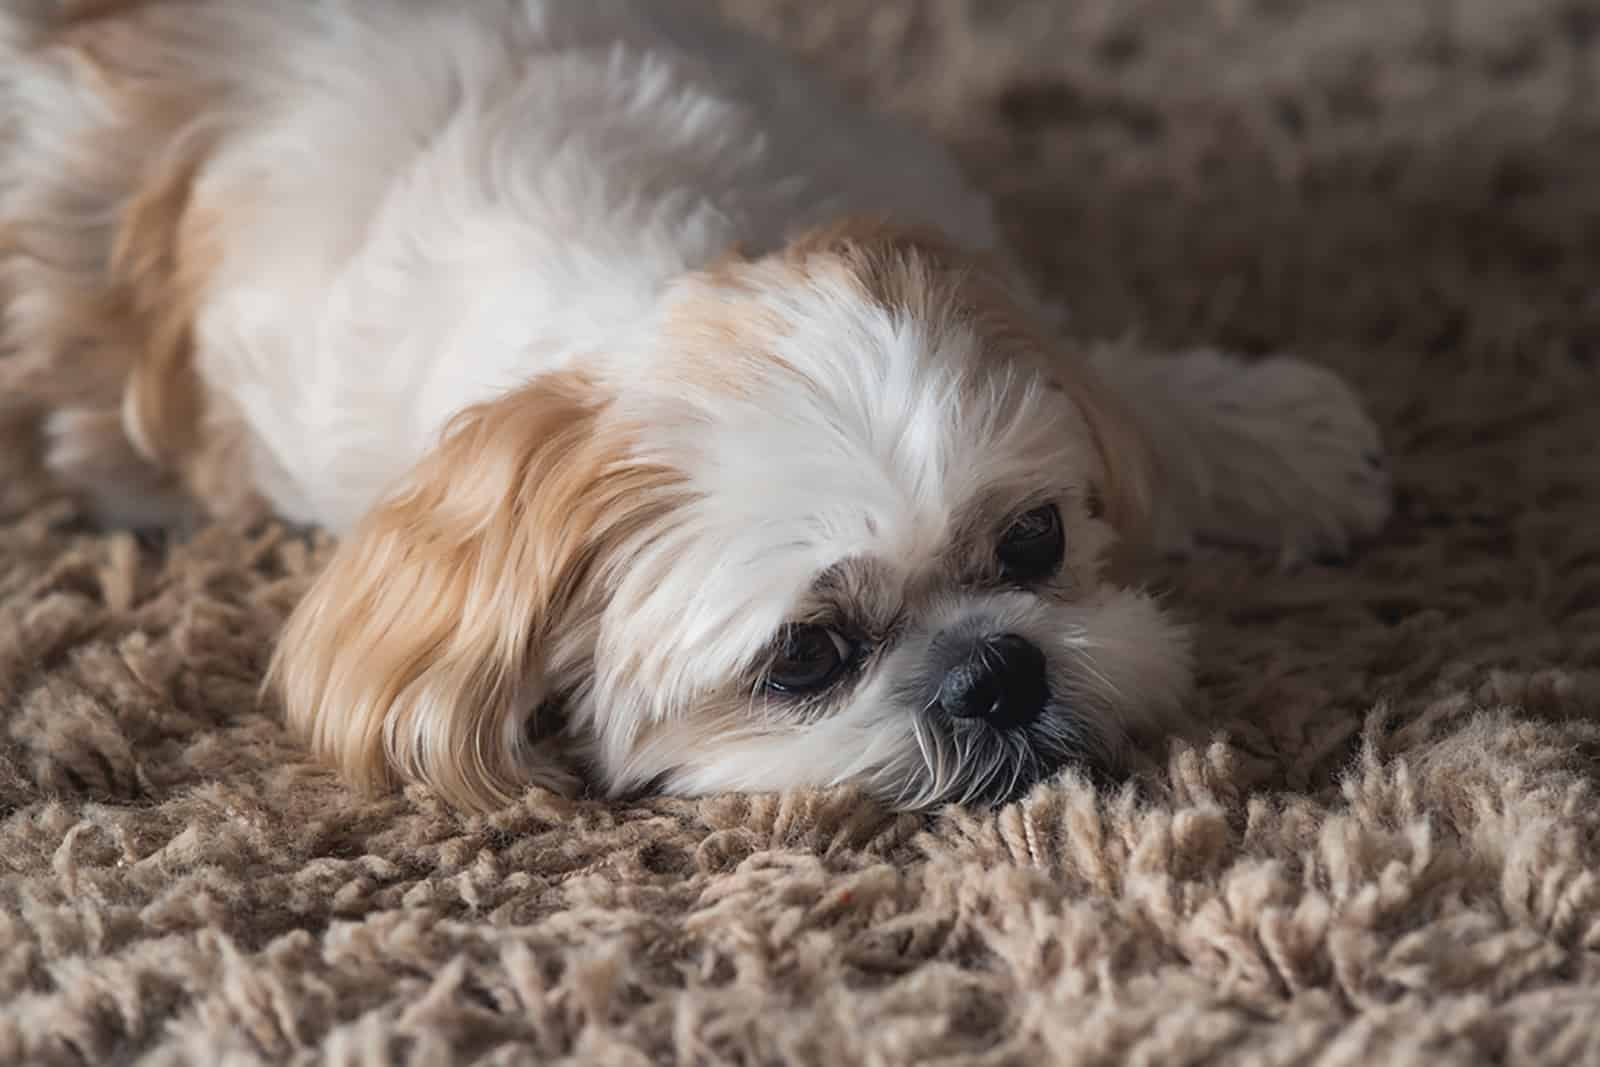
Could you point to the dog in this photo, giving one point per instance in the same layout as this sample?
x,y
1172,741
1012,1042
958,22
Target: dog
x,y
682,425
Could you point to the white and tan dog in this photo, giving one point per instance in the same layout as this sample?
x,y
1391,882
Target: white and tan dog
x,y
680,422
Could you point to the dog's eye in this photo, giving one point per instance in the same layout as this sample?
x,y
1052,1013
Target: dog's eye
x,y
1033,545
809,657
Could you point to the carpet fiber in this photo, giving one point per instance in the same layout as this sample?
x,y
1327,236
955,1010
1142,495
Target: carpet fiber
x,y
1383,846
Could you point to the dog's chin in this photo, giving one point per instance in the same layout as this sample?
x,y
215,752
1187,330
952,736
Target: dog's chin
x,y
972,764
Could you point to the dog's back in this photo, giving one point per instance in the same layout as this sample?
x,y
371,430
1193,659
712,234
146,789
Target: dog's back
x,y
258,249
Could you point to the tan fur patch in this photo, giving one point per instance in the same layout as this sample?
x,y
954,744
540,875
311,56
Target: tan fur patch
x,y
723,333
425,641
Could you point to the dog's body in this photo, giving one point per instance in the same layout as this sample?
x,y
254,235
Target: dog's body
x,y
376,214
459,283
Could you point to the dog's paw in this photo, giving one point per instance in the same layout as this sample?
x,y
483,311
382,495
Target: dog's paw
x,y
1288,458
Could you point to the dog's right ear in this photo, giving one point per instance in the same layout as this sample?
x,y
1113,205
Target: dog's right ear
x,y
425,647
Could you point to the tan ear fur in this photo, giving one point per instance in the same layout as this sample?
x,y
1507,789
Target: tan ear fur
x,y
426,645
1125,455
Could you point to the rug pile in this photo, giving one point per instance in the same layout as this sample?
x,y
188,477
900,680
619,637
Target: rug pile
x,y
1383,847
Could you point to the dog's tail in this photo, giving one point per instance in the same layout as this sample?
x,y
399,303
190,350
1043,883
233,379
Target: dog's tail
x,y
97,281
27,30
22,23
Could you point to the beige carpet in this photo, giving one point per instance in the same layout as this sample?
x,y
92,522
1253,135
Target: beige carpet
x,y
1388,852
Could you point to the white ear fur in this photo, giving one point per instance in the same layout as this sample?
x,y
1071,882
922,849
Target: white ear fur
x,y
999,298
426,645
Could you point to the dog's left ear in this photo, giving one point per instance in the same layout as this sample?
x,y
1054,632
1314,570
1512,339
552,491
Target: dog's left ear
x,y
1124,495
423,650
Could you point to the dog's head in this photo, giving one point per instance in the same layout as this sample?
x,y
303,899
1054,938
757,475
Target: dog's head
x,y
840,514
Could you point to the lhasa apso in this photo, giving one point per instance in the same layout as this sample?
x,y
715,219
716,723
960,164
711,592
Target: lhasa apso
x,y
680,423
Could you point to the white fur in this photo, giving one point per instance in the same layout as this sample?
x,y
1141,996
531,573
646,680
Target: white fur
x,y
427,205
444,204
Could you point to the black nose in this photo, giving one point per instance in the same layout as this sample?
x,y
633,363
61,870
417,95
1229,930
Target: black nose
x,y
1002,681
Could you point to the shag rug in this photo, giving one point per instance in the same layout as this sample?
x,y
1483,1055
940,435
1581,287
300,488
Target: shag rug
x,y
1383,847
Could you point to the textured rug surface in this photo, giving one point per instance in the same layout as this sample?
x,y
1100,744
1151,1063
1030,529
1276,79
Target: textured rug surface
x,y
1383,847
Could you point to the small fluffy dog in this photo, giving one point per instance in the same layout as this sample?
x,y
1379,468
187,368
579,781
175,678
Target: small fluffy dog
x,y
680,422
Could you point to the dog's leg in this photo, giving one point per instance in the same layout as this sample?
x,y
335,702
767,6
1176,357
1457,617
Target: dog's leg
x,y
1277,454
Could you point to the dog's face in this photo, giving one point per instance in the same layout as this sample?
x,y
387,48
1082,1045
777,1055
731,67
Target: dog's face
x,y
840,516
